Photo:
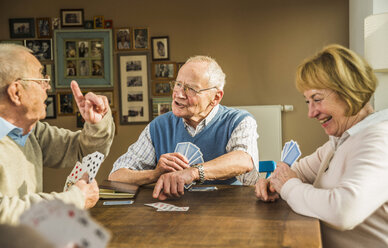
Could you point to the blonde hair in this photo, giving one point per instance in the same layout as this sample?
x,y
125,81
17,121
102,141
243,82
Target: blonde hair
x,y
341,70
214,72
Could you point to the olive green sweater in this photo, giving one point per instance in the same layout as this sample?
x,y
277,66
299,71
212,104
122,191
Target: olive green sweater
x,y
21,168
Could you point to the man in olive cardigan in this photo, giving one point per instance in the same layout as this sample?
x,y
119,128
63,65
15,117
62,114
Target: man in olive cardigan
x,y
26,144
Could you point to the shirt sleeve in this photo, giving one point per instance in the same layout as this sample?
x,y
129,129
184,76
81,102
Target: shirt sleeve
x,y
140,155
354,188
244,138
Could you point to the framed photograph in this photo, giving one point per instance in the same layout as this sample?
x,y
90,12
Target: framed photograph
x,y
98,22
43,27
66,104
55,23
122,39
160,48
22,28
134,91
51,107
108,24
80,120
140,38
48,69
85,56
72,17
88,24
161,106
161,88
164,70
41,49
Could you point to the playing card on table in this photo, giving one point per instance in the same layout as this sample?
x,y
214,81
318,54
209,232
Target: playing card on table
x,y
291,152
161,206
63,224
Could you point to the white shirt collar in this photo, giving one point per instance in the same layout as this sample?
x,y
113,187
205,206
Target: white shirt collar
x,y
194,131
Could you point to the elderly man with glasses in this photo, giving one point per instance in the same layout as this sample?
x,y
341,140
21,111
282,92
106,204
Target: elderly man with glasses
x,y
226,137
26,144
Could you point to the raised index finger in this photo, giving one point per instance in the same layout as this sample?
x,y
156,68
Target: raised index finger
x,y
76,91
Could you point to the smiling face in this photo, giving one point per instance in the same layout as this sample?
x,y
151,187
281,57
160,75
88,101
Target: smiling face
x,y
194,108
330,110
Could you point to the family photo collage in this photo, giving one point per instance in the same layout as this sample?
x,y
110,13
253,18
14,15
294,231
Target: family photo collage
x,y
71,48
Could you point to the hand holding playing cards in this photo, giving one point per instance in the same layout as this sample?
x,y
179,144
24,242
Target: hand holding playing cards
x,y
264,191
90,190
281,175
170,162
91,106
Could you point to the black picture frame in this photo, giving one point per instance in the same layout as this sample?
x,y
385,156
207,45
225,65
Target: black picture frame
x,y
44,27
42,48
160,48
51,107
72,17
21,28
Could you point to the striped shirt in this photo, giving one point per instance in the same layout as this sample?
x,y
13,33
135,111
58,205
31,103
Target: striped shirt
x,y
141,154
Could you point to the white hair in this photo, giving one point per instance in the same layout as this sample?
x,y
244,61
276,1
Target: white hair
x,y
214,72
13,63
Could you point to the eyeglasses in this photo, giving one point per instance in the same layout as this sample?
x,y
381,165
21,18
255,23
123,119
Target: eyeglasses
x,y
44,82
177,85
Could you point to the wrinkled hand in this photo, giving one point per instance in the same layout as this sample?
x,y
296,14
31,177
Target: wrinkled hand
x,y
281,175
90,190
170,162
265,192
172,184
91,106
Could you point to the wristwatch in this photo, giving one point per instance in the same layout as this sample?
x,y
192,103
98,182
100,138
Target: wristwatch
x,y
201,173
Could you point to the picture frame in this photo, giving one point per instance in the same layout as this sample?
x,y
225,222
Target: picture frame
x,y
161,88
51,107
65,103
44,27
48,69
160,48
141,39
17,42
161,106
108,93
98,21
123,41
134,95
88,24
164,70
22,28
42,49
72,17
108,24
91,67
55,23
80,120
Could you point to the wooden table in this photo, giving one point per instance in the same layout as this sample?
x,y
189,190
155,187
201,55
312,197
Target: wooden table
x,y
228,217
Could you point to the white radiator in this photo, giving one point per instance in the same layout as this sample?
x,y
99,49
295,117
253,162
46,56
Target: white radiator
x,y
269,128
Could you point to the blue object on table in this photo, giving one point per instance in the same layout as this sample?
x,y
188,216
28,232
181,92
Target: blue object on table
x,y
267,166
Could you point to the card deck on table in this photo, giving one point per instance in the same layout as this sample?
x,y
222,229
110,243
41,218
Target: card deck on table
x,y
111,203
208,188
90,164
63,224
290,152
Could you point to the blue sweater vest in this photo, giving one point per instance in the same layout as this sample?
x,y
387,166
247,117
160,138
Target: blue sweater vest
x,y
168,130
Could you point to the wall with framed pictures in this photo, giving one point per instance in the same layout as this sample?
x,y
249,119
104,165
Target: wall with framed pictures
x,y
134,91
84,56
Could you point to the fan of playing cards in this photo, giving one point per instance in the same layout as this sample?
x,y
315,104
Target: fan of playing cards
x,y
290,152
65,224
90,164
190,151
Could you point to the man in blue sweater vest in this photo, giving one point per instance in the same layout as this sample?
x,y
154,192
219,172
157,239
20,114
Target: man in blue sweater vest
x,y
226,137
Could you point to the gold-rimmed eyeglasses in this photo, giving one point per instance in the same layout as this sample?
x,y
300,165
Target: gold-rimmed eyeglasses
x,y
44,82
189,91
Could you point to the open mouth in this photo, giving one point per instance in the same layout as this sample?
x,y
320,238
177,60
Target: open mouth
x,y
323,121
179,104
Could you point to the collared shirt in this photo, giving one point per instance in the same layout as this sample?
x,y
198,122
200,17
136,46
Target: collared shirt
x,y
141,155
14,132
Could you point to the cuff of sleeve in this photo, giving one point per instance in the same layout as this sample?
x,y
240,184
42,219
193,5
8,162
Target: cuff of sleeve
x,y
288,186
104,121
75,196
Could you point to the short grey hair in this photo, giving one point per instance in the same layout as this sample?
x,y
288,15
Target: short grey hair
x,y
214,72
13,64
